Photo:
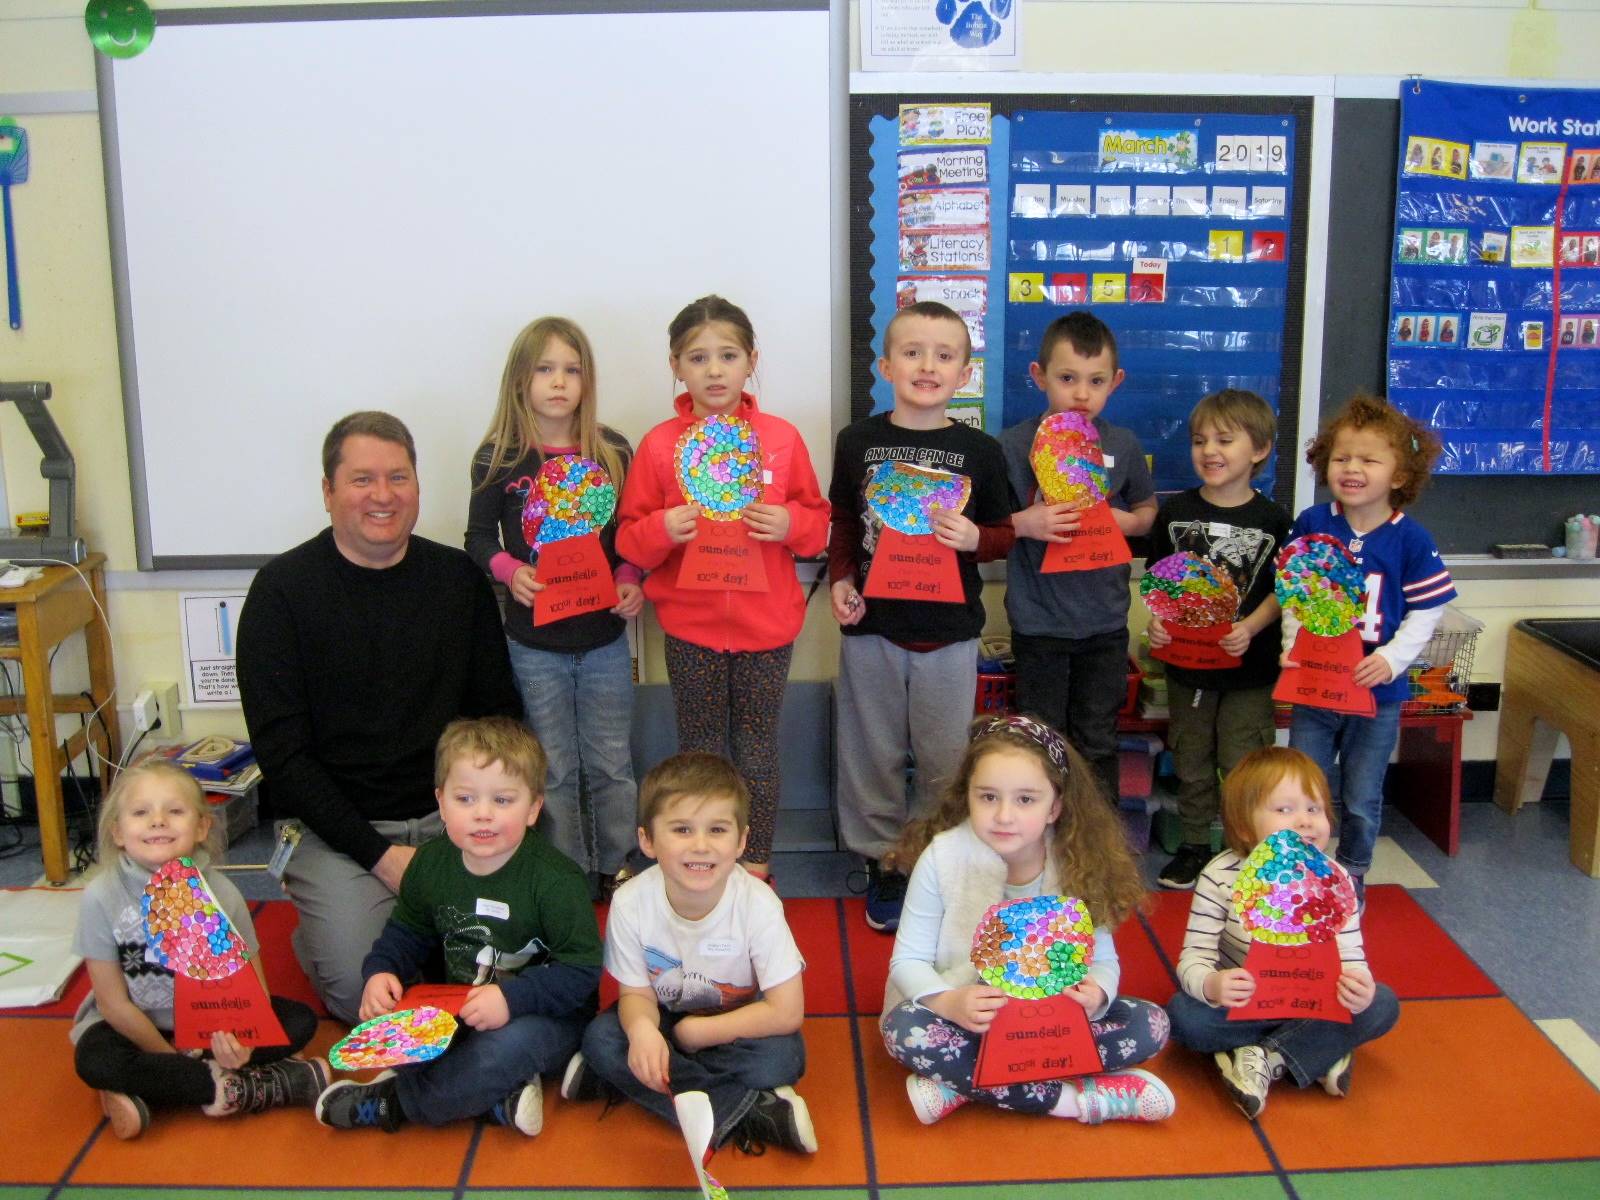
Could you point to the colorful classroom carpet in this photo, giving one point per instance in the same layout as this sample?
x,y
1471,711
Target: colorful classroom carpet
x,y
1465,1097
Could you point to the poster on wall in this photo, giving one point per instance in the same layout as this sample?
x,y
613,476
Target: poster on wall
x,y
1174,228
1494,298
209,622
926,35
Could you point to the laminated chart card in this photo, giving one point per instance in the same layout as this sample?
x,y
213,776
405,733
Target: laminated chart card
x,y
1494,297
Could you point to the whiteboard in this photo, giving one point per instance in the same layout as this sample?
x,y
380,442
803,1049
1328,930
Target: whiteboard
x,y
313,216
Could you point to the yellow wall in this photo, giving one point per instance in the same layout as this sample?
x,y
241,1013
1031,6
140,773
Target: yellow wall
x,y
69,336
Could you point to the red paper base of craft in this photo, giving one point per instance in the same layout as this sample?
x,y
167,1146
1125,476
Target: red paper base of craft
x,y
914,567
1196,649
722,557
237,1004
576,577
1293,983
1036,1039
448,996
1322,680
1096,543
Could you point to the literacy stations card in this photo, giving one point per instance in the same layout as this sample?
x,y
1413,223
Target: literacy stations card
x,y
948,209
1533,245
942,168
945,252
1541,162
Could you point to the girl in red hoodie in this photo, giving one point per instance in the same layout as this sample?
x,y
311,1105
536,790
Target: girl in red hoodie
x,y
728,650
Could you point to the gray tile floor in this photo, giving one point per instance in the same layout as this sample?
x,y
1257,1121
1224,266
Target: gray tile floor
x,y
1511,899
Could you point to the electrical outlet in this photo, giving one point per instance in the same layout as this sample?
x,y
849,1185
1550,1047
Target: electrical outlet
x,y
167,709
145,711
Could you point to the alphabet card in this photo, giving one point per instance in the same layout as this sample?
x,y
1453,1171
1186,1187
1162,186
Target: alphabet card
x,y
566,506
1196,603
1320,585
719,468
1293,900
1071,469
909,563
1035,949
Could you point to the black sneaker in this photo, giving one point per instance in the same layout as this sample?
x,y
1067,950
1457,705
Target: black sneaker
x,y
886,895
583,1082
288,1083
523,1109
777,1118
1185,867
351,1105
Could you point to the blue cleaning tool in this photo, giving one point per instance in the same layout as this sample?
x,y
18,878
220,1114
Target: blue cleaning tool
x,y
13,169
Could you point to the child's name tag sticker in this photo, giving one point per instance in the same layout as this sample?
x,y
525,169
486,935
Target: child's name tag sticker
x,y
493,908
766,478
1110,460
719,947
1219,529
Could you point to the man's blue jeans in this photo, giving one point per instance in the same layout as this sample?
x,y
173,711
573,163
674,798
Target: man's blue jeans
x,y
730,1074
482,1068
1361,746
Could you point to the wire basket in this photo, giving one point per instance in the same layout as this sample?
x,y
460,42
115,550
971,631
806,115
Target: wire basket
x,y
1440,676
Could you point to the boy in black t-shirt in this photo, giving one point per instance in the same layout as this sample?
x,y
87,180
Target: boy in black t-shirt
x,y
1219,716
908,669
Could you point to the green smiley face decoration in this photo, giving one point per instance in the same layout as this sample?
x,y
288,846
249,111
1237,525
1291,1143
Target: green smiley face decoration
x,y
119,28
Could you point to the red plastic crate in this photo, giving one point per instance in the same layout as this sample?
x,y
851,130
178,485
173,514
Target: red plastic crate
x,y
997,691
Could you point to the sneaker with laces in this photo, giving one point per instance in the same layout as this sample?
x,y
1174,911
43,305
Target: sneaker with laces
x,y
1247,1076
580,1081
129,1115
886,895
523,1109
1336,1081
1132,1095
1185,867
777,1118
931,1100
351,1105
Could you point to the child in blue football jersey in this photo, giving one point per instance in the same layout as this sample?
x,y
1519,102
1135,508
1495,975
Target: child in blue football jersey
x,y
1375,460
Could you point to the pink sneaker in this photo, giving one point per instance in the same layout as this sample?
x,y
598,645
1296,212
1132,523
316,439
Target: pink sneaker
x,y
1124,1096
932,1100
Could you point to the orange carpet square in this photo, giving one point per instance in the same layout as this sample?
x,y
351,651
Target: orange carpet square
x,y
980,1144
583,1146
1456,1081
869,953
815,925
37,1051
285,1148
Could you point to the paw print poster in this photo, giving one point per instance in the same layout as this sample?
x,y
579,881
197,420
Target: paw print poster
x,y
908,35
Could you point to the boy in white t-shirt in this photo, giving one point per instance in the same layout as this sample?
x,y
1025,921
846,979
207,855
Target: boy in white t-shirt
x,y
711,997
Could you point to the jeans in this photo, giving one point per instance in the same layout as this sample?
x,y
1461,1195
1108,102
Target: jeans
x,y
1077,686
1130,1032
580,707
1362,746
482,1068
110,1061
1309,1048
730,1074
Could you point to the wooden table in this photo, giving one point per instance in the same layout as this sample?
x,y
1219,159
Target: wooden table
x,y
49,610
1552,686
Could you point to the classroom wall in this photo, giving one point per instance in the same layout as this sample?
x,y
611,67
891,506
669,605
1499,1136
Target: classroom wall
x,y
69,337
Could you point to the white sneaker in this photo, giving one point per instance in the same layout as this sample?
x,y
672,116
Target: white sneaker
x,y
1336,1082
1247,1077
931,1100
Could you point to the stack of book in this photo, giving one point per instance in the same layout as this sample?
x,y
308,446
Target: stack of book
x,y
221,764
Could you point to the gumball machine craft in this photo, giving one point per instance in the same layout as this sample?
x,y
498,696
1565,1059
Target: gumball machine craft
x,y
719,468
1071,469
1033,950
1293,901
1197,603
1322,587
909,562
565,506
215,989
